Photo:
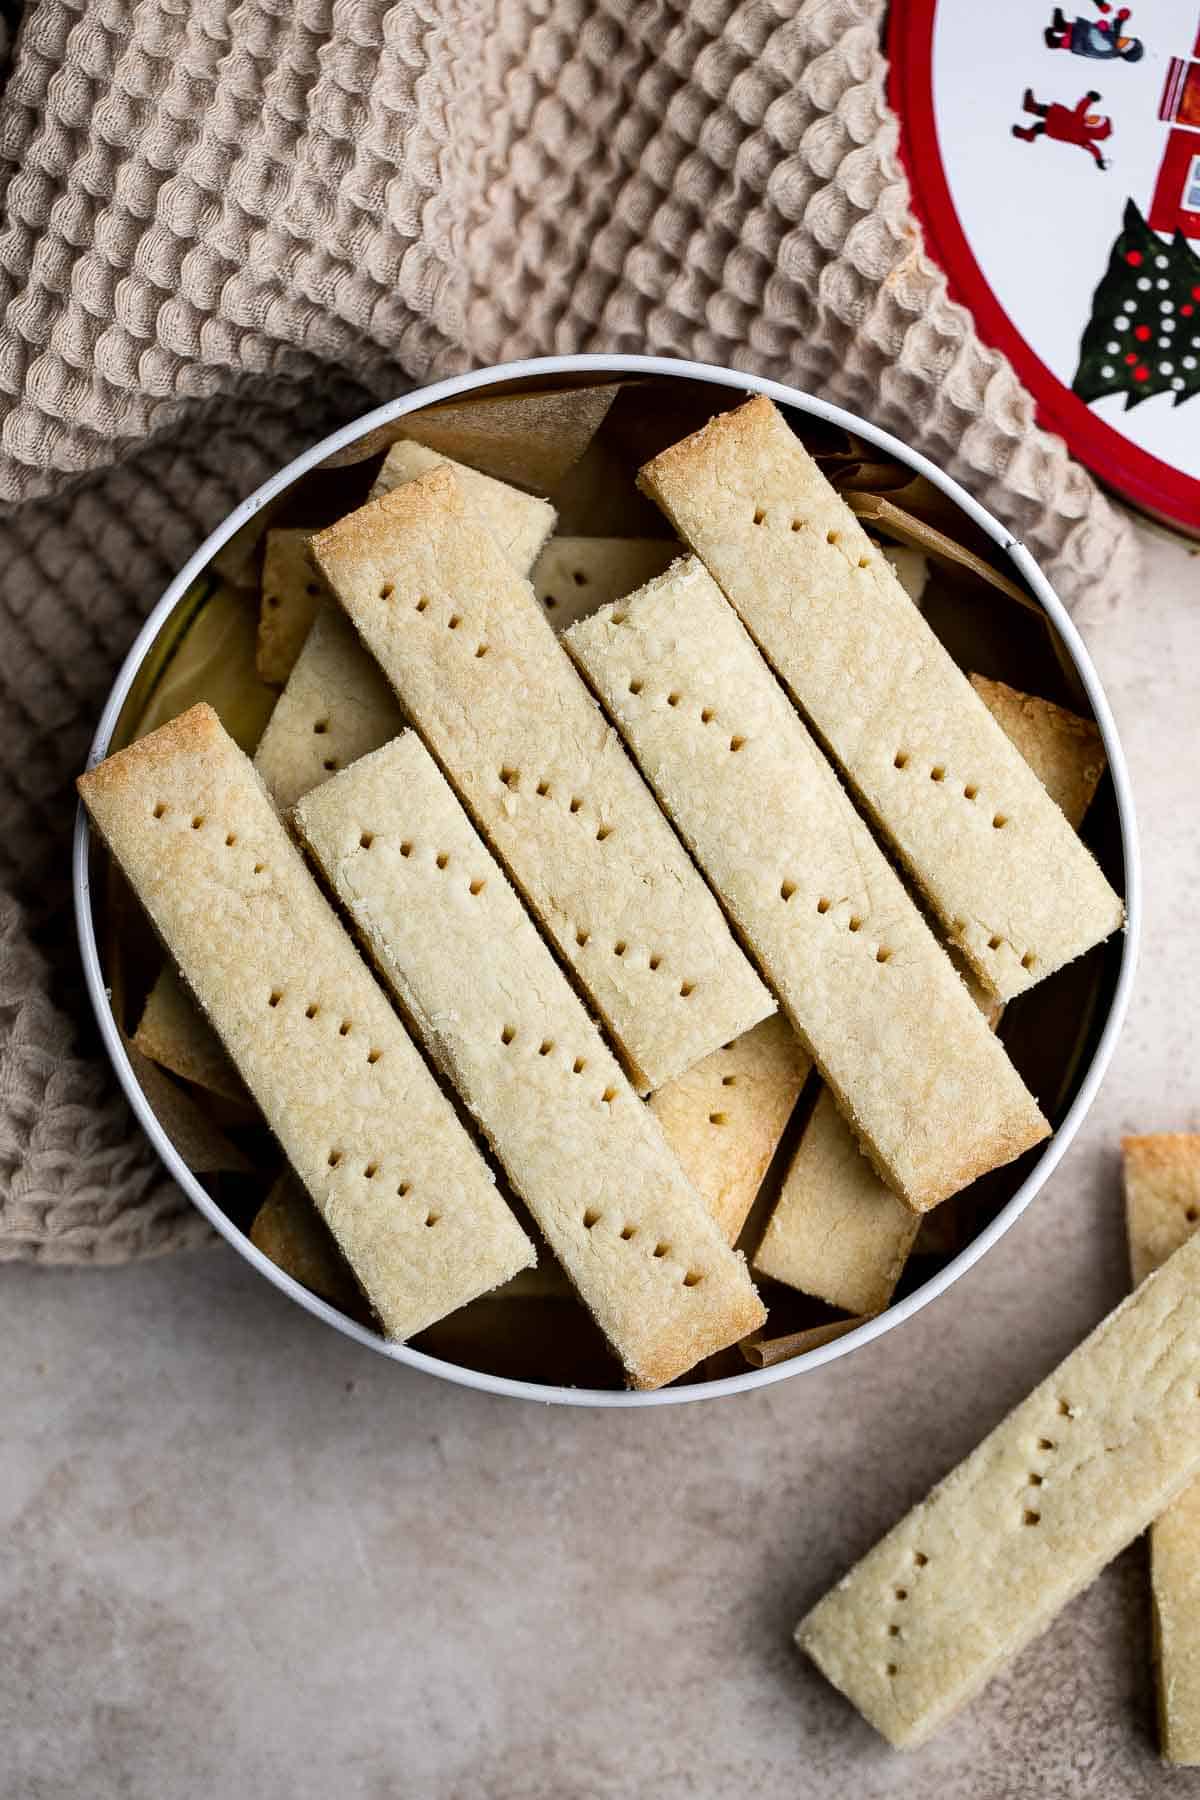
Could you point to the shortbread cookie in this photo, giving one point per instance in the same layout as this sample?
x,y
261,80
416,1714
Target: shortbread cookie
x,y
874,997
1162,1210
1012,885
292,592
480,674
500,1017
575,575
725,1117
520,523
977,1570
175,1034
336,707
836,1231
1065,752
376,1143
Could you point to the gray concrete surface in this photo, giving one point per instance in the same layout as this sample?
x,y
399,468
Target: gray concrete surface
x,y
241,1557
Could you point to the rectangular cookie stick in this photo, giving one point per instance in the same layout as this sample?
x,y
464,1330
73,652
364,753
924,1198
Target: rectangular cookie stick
x,y
520,523
336,706
978,1569
1014,888
836,1231
363,1123
873,996
1162,1208
725,1117
292,593
575,575
481,675
499,1016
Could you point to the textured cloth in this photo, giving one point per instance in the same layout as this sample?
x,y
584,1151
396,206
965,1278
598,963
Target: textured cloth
x,y
225,228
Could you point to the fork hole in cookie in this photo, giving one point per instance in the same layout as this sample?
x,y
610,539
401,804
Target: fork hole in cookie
x,y
628,1231
693,1278
545,1047
477,886
508,1034
661,1250
609,1095
786,890
686,989
320,727
590,1218
718,1118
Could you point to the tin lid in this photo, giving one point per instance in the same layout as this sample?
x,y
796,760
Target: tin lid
x,y
1054,158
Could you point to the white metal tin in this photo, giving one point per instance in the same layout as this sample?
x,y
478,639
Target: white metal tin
x,y
786,396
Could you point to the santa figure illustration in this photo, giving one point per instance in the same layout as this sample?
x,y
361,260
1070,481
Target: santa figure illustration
x,y
1101,39
1067,124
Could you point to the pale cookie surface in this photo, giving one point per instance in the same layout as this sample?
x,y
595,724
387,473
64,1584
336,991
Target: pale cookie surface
x,y
575,575
982,1566
1065,752
1162,1196
872,994
1012,885
520,523
837,1232
1162,1211
500,1017
725,1117
336,706
481,675
361,1120
292,592
174,1034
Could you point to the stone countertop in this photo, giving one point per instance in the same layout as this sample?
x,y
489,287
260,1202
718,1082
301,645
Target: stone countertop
x,y
241,1556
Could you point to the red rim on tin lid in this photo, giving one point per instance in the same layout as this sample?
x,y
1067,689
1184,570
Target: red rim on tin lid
x,y
1054,158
